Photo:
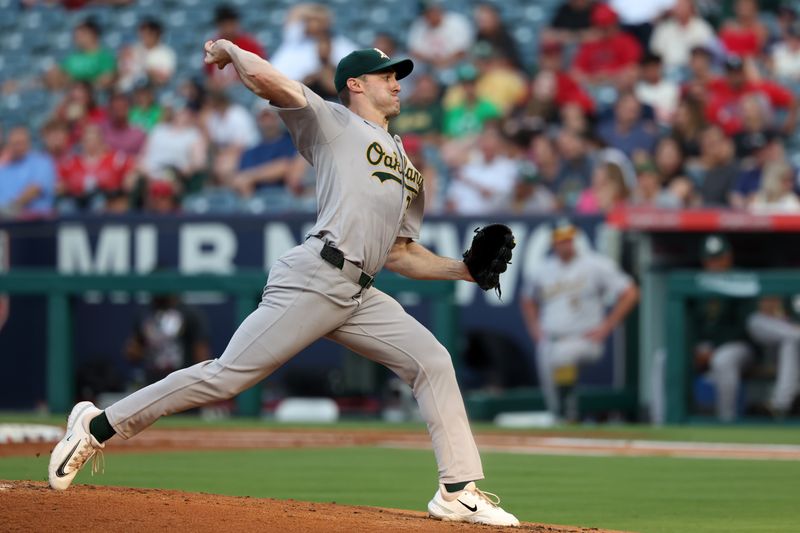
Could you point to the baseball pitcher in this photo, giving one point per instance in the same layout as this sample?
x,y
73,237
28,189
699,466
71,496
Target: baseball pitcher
x,y
370,203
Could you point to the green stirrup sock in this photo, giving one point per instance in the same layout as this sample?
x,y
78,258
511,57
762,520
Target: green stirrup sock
x,y
455,487
100,428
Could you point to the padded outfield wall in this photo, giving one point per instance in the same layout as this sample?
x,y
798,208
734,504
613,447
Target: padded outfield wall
x,y
223,245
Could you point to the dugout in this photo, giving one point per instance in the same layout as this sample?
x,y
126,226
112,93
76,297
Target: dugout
x,y
666,255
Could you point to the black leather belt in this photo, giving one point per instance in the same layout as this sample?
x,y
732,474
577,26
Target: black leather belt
x,y
335,257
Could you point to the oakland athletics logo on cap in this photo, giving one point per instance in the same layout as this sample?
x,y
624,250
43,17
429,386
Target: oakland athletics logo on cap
x,y
369,61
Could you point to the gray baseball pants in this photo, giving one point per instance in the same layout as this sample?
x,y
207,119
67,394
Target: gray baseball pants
x,y
305,299
785,336
552,354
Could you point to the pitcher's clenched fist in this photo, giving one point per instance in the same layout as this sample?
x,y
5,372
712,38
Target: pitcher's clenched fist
x,y
217,53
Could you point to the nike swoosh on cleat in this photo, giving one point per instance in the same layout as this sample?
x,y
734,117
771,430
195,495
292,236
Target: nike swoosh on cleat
x,y
60,472
473,508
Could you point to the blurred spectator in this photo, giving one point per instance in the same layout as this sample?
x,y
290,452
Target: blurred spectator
x,y
387,43
785,56
564,307
688,125
498,82
145,112
785,18
466,117
609,54
756,117
763,148
669,166
89,62
720,171
147,61
162,197
745,35
167,336
266,165
552,92
607,192
575,119
226,19
492,31
176,150
422,111
674,38
776,192
27,178
56,141
299,54
531,196
576,167
438,37
193,92
96,177
231,130
321,81
656,91
78,108
649,190
637,16
486,182
669,159
701,77
117,130
544,154
628,131
572,21
725,98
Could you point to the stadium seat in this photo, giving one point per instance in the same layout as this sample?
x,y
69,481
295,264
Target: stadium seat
x,y
216,200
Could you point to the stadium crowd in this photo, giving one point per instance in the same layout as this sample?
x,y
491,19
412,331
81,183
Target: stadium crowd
x,y
662,103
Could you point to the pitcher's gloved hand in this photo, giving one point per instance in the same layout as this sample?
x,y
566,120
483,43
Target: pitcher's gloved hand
x,y
489,255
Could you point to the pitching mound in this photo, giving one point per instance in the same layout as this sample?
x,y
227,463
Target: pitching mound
x,y
33,506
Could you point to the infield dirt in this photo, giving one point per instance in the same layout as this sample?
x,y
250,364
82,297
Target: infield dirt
x,y
33,506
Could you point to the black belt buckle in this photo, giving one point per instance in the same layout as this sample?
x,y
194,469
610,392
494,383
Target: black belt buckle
x,y
366,281
333,256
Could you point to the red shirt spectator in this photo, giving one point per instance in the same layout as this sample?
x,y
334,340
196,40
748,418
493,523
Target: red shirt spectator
x,y
745,35
611,51
97,169
569,91
227,21
725,94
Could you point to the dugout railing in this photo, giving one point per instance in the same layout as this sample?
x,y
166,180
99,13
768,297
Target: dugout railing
x,y
244,287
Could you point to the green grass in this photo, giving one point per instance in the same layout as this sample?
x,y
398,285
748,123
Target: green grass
x,y
637,494
761,434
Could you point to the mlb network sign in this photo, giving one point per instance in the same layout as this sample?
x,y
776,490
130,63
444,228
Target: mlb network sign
x,y
142,245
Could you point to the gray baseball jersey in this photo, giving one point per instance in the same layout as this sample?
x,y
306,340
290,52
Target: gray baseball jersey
x,y
368,192
572,296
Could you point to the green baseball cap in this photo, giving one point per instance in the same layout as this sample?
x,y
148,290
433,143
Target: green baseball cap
x,y
369,61
714,246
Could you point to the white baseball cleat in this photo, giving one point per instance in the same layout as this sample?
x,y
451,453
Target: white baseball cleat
x,y
470,505
76,448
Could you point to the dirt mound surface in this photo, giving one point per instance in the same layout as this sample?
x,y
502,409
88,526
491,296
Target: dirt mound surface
x,y
33,506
